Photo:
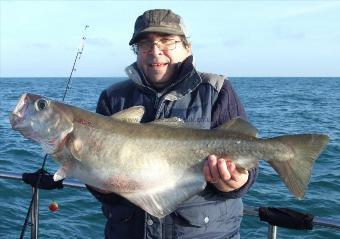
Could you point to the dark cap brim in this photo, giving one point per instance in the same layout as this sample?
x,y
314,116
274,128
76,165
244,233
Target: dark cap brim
x,y
158,29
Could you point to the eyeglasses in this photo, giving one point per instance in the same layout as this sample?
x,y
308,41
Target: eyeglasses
x,y
163,44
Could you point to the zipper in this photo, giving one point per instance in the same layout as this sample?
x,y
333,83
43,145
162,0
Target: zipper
x,y
159,102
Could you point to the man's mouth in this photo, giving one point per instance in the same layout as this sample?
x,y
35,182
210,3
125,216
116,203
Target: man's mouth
x,y
155,65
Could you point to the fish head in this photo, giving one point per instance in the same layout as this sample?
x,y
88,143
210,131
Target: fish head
x,y
43,121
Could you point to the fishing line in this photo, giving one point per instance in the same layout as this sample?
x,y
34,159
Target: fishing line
x,y
42,171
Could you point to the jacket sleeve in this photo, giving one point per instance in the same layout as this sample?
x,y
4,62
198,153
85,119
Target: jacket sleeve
x,y
227,107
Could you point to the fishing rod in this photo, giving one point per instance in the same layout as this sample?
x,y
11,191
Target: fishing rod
x,y
78,55
41,170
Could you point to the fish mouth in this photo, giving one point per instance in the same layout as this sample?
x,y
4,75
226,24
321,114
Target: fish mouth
x,y
16,118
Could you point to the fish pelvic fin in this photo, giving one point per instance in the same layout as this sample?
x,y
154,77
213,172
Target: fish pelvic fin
x,y
296,171
64,171
241,126
59,175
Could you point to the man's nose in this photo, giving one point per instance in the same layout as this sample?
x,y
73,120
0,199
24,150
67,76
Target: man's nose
x,y
155,49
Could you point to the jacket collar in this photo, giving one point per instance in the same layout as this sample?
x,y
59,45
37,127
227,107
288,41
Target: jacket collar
x,y
186,81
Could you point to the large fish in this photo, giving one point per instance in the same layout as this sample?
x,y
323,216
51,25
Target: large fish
x,y
155,165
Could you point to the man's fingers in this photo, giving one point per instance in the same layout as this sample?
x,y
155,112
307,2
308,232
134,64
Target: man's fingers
x,y
223,174
212,161
234,173
206,172
223,169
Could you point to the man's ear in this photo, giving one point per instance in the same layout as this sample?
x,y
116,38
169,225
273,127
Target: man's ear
x,y
189,49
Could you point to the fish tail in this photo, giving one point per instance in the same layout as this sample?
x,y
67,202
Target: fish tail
x,y
295,170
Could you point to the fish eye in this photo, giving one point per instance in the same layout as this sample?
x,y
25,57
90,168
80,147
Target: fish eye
x,y
41,104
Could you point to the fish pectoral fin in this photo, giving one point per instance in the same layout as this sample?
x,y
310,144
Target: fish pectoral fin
x,y
239,125
173,122
131,115
76,147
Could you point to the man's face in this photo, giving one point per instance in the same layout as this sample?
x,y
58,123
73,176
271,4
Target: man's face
x,y
159,66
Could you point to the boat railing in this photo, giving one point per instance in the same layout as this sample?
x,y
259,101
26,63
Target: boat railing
x,y
319,222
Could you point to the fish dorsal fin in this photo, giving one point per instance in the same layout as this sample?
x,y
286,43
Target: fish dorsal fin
x,y
239,125
131,115
173,122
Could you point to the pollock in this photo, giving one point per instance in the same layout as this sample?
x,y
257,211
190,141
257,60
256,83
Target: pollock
x,y
156,165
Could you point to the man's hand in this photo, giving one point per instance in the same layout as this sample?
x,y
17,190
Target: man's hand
x,y
223,174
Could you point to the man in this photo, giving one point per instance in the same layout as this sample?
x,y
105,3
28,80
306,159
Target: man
x,y
165,82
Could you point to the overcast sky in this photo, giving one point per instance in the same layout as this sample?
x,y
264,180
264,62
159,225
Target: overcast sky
x,y
233,38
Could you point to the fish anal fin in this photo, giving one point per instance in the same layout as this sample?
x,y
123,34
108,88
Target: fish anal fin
x,y
239,125
162,201
131,115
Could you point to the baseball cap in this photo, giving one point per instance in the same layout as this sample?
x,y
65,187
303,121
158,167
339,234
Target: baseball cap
x,y
160,21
